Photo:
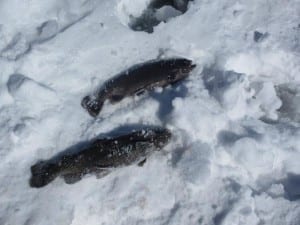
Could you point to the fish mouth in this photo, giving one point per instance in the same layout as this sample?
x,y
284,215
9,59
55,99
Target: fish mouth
x,y
186,70
162,137
192,66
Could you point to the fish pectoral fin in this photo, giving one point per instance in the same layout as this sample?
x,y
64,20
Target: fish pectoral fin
x,y
101,172
72,178
141,163
116,98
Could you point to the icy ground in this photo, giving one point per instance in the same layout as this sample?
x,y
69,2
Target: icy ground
x,y
234,158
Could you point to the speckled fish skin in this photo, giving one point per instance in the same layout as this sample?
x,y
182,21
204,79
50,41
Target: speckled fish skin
x,y
145,76
101,155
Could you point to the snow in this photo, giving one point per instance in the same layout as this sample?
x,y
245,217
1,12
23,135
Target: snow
x,y
234,154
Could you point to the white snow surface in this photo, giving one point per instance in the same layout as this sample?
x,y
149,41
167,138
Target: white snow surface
x,y
234,156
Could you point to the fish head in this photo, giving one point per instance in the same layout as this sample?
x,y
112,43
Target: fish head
x,y
42,173
92,105
181,69
159,136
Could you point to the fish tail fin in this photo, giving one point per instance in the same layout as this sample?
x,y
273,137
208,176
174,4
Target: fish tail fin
x,y
42,173
93,106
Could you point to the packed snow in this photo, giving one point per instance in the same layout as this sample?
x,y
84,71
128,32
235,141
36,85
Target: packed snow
x,y
234,155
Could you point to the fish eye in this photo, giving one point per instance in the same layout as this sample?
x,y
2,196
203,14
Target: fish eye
x,y
171,77
185,70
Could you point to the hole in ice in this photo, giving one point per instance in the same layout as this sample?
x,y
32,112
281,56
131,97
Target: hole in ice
x,y
144,15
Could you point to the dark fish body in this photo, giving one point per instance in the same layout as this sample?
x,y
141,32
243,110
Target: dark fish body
x,y
100,156
145,76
